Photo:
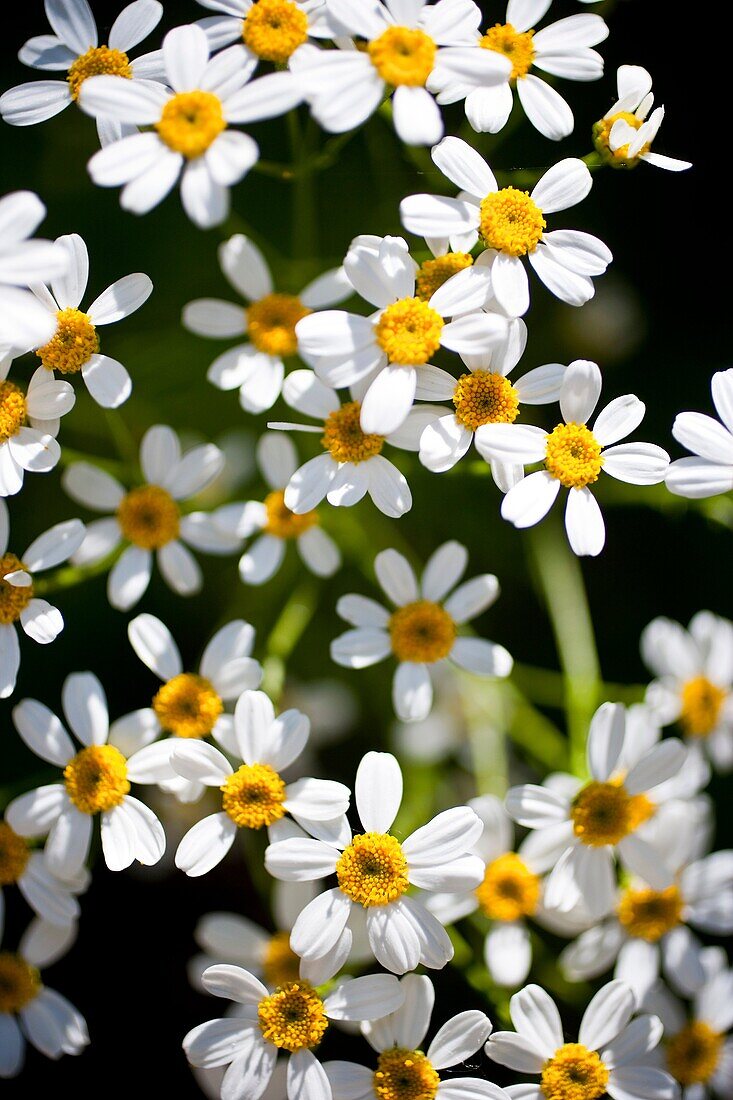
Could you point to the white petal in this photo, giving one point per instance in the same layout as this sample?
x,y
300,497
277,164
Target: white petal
x,y
392,938
54,546
41,621
73,22
205,844
636,463
153,643
448,836
396,577
360,648
563,185
459,1039
412,692
607,1015
180,568
129,578
85,707
545,108
388,399
43,732
508,954
300,859
536,807
68,842
472,598
378,791
464,167
417,118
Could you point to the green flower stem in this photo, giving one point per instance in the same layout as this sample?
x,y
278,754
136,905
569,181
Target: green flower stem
x,y
546,688
69,576
304,218
289,628
487,712
123,438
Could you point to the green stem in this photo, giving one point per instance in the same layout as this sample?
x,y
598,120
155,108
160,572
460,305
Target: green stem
x,y
304,196
487,718
71,575
546,688
123,438
289,627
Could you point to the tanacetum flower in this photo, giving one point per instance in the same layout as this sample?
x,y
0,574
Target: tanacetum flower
x,y
624,135
73,48
190,133
29,424
148,517
272,30
374,871
423,629
574,456
24,260
51,898
512,222
710,470
268,319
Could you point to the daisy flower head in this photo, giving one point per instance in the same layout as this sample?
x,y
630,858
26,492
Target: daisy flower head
x,y
272,30
610,1057
708,471
268,320
96,779
574,456
512,223
51,899
74,346
403,53
148,518
29,424
19,606
25,261
624,135
190,133
423,628
387,355
74,48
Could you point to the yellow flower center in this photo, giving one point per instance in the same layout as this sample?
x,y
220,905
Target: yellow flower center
x,y
601,139
405,1075
271,321
19,982
187,705
650,914
73,343
403,55
190,122
511,222
281,522
14,855
516,45
509,890
273,29
343,438
293,1017
484,397
574,1073
573,455
97,61
373,870
149,517
13,410
96,779
433,273
422,631
281,965
693,1054
254,796
604,813
702,702
13,599
409,331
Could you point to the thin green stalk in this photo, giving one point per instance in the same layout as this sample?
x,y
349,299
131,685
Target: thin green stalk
x,y
289,628
304,220
487,715
123,439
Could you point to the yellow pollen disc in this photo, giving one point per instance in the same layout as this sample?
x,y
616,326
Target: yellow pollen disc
x,y
73,343
405,1075
511,222
573,456
433,273
422,631
516,45
601,139
149,517
281,522
574,1073
96,779
373,870
187,705
273,29
650,914
408,332
293,1017
19,982
14,854
693,1054
97,61
509,890
343,438
190,122
271,321
281,965
604,813
702,702
13,599
12,410
254,796
484,397
402,55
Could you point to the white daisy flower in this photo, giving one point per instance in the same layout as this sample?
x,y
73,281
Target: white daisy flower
x,y
574,455
580,836
403,54
374,871
694,685
190,134
624,135
512,222
73,48
96,780
424,627
50,898
292,1019
403,1069
710,469
74,345
387,354
272,30
39,619
24,261
268,319
148,517
29,424
30,1012
609,1058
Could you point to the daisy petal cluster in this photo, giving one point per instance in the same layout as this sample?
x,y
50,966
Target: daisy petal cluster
x,y
625,134
24,260
709,470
